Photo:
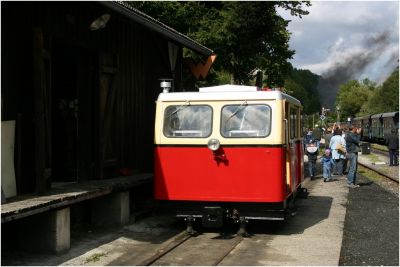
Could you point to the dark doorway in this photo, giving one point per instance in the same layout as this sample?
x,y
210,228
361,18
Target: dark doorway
x,y
73,82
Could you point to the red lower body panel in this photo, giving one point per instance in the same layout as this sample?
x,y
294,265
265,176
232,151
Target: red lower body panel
x,y
233,174
300,163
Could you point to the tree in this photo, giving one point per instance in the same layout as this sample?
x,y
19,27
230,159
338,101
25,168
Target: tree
x,y
352,95
245,35
302,84
390,92
385,98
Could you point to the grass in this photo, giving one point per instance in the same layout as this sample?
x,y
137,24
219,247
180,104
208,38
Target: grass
x,y
95,257
373,157
380,147
368,173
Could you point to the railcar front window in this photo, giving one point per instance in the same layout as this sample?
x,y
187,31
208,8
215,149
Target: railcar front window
x,y
245,121
187,121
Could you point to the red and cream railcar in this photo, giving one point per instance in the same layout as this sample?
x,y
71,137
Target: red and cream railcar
x,y
228,152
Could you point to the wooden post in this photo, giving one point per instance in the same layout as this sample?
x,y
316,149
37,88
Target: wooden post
x,y
42,113
39,111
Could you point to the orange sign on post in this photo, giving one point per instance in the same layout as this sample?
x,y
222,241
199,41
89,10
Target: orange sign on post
x,y
200,69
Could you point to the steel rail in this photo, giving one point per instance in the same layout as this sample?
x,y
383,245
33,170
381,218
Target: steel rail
x,y
379,151
177,241
239,239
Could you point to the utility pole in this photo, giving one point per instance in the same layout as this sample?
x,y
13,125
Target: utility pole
x,y
313,120
338,114
323,113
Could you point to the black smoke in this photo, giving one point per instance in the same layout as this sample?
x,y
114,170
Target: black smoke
x,y
351,67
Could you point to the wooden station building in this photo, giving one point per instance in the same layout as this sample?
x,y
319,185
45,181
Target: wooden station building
x,y
79,82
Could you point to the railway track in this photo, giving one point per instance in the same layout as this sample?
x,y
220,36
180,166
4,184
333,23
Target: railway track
x,y
160,257
382,154
178,240
379,172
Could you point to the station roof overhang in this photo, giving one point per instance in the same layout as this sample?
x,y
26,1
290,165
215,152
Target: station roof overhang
x,y
157,26
376,116
390,114
365,117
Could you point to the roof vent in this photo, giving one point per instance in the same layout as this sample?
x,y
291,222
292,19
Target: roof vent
x,y
165,85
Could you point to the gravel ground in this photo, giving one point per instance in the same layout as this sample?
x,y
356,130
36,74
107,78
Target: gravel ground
x,y
371,230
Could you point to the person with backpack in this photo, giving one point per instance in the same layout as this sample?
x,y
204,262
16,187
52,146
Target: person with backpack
x,y
308,138
312,154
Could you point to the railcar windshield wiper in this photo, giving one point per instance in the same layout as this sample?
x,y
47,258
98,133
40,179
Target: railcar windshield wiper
x,y
183,106
243,105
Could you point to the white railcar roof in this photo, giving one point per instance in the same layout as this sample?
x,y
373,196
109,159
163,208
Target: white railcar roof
x,y
228,88
226,93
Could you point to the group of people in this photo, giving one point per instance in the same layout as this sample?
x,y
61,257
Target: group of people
x,y
341,149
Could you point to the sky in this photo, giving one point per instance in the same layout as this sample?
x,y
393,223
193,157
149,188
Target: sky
x,y
346,40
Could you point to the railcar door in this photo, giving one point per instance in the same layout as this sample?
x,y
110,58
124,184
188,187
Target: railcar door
x,y
291,134
299,147
294,146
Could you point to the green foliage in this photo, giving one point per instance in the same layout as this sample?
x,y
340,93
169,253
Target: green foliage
x,y
390,91
302,84
352,95
181,16
95,257
215,78
245,35
365,97
385,98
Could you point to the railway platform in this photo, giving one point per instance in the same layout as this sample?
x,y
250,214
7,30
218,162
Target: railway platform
x,y
106,201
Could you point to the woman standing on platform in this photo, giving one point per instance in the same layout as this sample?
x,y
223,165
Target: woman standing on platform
x,y
338,145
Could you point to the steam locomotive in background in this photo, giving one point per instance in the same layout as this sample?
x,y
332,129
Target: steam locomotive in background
x,y
375,127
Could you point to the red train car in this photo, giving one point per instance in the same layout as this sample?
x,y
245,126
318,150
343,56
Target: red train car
x,y
228,152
